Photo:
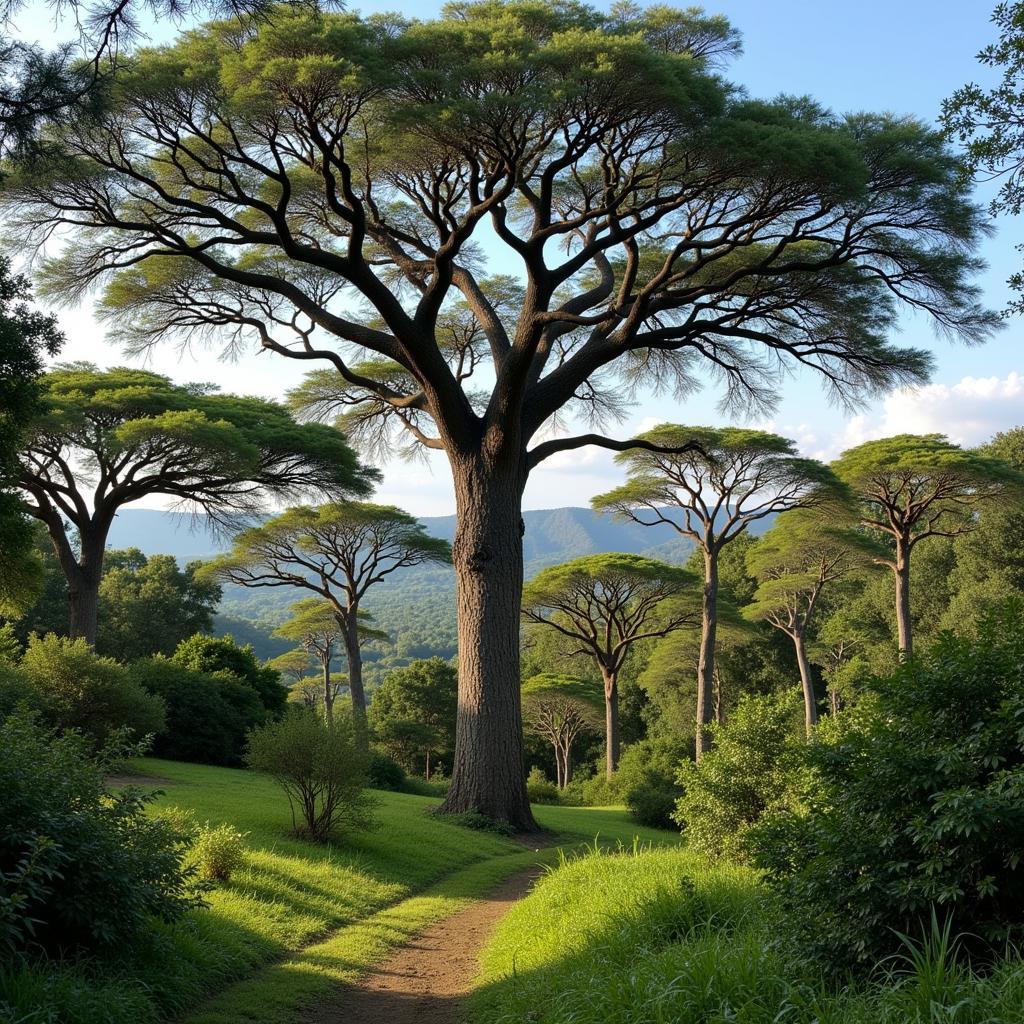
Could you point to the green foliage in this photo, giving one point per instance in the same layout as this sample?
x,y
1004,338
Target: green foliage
x,y
320,769
413,713
26,338
207,716
540,789
221,655
148,605
217,851
913,803
80,866
647,775
10,646
85,691
384,772
752,769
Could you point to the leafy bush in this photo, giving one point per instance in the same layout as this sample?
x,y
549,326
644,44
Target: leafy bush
x,y
384,772
600,791
80,866
647,778
220,655
752,768
85,691
915,801
217,851
16,690
320,769
207,717
540,789
481,823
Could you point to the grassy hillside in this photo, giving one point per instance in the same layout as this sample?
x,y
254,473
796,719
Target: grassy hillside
x,y
662,936
296,919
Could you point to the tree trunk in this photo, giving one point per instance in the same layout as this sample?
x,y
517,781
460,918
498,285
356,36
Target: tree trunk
x,y
426,766
328,694
83,575
611,723
706,659
558,766
566,766
354,656
902,573
487,771
806,681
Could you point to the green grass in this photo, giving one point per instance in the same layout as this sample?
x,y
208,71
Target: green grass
x,y
296,919
662,936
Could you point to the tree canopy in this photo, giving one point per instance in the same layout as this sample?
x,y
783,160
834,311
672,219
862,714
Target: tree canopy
x,y
346,191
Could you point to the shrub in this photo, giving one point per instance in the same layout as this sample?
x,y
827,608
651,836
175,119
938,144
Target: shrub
x,y
481,823
85,691
600,791
540,789
384,772
80,866
915,802
647,778
217,851
320,769
16,690
752,768
207,717
220,655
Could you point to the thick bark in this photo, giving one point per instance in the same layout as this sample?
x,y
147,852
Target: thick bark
x,y
487,772
706,659
901,571
82,574
806,682
611,722
354,656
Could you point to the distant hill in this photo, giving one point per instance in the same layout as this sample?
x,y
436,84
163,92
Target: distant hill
x,y
416,607
552,535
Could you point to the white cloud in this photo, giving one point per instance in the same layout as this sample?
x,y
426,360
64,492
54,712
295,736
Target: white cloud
x,y
968,412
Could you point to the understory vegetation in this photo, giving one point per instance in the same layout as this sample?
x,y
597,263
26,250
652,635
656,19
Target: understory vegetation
x,y
665,936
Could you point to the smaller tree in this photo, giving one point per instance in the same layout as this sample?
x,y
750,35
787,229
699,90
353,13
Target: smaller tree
x,y
321,770
559,709
314,624
711,484
796,561
912,487
414,710
337,551
147,605
216,655
294,664
607,603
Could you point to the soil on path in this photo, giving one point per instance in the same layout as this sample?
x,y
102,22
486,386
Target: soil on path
x,y
426,981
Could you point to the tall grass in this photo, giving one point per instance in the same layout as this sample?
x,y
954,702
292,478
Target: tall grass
x,y
664,937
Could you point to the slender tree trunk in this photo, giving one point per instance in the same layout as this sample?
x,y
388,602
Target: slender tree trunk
x,y
902,573
567,766
426,767
611,722
354,656
806,681
706,659
487,770
558,766
328,693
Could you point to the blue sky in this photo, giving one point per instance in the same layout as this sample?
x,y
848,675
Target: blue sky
x,y
903,56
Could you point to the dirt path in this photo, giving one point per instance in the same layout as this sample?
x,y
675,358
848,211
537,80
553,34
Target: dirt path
x,y
425,981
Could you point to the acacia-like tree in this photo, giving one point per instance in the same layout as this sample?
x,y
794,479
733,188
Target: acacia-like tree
x,y
337,551
294,664
314,624
103,439
795,562
915,486
274,181
730,479
560,708
604,604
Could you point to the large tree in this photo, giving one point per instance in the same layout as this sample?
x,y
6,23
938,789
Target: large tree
x,y
730,479
801,558
604,605
915,486
337,551
103,439
336,189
